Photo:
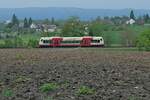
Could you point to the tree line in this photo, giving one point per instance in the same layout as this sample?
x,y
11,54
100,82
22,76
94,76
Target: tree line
x,y
15,22
107,27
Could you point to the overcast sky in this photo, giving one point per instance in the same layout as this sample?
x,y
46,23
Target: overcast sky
x,y
105,4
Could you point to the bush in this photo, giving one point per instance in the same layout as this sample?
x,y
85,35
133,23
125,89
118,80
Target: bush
x,y
18,42
50,34
143,42
8,43
48,98
1,45
32,43
21,79
12,43
84,90
48,87
7,93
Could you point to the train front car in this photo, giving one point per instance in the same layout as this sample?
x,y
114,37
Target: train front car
x,y
97,42
45,42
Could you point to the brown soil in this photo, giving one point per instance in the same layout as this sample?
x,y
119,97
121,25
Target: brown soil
x,y
115,75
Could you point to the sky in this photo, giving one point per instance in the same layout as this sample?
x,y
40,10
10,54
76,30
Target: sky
x,y
91,4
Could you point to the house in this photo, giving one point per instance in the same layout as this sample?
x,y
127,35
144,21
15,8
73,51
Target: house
x,y
49,28
21,25
44,27
37,27
33,26
131,21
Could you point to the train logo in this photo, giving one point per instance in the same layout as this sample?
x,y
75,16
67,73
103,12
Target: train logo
x,y
86,41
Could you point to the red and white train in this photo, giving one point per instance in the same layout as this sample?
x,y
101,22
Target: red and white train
x,y
86,41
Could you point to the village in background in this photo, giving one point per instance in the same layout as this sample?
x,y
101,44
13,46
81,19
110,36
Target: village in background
x,y
117,31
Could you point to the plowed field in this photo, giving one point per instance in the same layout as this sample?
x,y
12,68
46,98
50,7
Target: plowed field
x,y
113,75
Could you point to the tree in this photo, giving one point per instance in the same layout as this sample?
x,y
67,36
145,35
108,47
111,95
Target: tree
x,y
140,20
107,39
97,28
143,42
146,18
14,24
32,43
132,16
90,33
117,20
18,42
128,38
98,19
15,20
52,20
46,21
25,23
30,21
9,25
73,27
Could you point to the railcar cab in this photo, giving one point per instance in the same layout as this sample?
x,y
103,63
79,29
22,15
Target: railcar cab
x,y
44,42
97,41
50,41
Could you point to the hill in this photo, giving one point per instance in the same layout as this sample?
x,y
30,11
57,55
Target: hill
x,y
64,13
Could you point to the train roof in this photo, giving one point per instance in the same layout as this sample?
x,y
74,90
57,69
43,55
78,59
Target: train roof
x,y
72,38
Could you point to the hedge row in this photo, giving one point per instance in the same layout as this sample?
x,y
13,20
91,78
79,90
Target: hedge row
x,y
19,43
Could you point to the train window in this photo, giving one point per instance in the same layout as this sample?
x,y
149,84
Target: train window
x,y
41,40
95,41
70,41
101,39
46,41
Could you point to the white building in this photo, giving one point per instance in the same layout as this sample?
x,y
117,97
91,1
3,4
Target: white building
x,y
50,28
131,21
33,26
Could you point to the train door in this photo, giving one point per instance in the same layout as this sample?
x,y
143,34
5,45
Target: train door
x,y
56,42
86,41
